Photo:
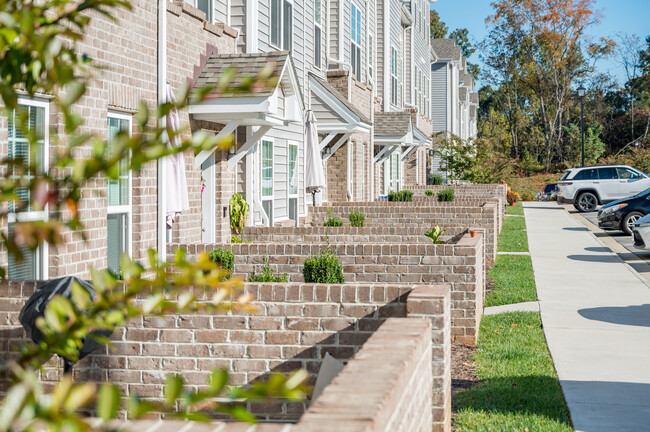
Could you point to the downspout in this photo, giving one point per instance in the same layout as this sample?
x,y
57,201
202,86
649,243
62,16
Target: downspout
x,y
372,107
162,81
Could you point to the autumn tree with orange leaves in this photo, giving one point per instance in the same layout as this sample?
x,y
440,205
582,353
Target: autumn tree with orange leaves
x,y
537,52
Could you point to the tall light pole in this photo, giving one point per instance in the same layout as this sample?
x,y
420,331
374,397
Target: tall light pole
x,y
581,93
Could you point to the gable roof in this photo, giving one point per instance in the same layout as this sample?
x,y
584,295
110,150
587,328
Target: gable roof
x,y
246,66
343,100
467,79
391,124
446,49
473,98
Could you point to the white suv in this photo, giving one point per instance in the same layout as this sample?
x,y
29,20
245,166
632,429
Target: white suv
x,y
586,187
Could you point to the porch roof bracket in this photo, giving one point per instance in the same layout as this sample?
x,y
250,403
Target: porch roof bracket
x,y
227,130
326,140
385,152
409,151
338,145
248,146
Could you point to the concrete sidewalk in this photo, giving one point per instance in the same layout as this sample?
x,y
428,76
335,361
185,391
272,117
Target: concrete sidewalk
x,y
596,316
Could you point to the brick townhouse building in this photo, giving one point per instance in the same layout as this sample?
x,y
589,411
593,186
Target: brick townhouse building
x,y
360,66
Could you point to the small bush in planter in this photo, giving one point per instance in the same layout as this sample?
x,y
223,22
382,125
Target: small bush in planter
x,y
267,274
332,221
238,212
235,239
436,179
357,219
225,258
512,198
429,192
401,196
435,234
446,195
323,268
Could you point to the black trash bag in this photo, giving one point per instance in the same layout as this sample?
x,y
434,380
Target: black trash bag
x,y
35,308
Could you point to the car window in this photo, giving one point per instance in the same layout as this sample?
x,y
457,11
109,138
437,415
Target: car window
x,y
566,174
586,174
550,187
607,173
627,174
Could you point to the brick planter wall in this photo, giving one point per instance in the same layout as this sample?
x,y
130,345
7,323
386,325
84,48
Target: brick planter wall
x,y
295,326
423,217
461,265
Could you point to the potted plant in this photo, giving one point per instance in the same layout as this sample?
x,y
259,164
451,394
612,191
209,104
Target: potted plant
x,y
473,233
512,198
238,212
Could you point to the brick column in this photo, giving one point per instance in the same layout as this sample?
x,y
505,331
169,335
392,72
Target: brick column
x,y
433,302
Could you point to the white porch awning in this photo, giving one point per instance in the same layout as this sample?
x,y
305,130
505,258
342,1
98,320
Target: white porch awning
x,y
276,104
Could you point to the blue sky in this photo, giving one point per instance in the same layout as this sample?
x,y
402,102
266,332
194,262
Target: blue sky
x,y
628,16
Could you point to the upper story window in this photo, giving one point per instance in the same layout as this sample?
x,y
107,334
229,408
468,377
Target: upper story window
x,y
34,262
355,40
205,6
393,75
371,48
317,33
281,24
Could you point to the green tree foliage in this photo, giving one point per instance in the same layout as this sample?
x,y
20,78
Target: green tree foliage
x,y
41,52
458,157
461,36
594,147
438,28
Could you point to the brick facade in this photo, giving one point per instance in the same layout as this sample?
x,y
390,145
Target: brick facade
x,y
296,325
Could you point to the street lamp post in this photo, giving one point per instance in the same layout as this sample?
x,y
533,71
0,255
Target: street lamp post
x,y
581,93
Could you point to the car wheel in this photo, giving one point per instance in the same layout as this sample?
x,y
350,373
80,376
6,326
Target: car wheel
x,y
586,202
627,224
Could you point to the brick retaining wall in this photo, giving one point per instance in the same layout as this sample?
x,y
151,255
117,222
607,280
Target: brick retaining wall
x,y
460,264
295,326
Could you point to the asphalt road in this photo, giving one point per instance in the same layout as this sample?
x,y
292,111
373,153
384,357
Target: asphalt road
x,y
623,239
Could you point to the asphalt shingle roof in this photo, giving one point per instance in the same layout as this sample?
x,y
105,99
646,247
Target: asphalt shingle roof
x,y
337,94
467,79
462,94
246,66
446,49
473,97
392,124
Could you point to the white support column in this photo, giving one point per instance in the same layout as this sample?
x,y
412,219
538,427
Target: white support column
x,y
161,234
230,128
326,140
336,146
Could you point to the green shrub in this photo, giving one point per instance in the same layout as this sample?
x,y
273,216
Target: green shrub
x,y
436,179
235,239
526,196
357,219
267,274
401,196
429,192
446,195
225,258
323,268
332,221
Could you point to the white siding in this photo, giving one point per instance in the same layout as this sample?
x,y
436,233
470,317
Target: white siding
x,y
439,96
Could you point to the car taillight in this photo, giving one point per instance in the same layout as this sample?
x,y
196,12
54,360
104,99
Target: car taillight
x,y
566,183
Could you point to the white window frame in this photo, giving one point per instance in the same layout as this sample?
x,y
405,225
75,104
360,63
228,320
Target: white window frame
x,y
318,25
209,16
41,253
272,196
394,92
280,44
371,54
356,43
289,145
128,208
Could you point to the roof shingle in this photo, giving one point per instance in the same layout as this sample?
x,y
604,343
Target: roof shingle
x,y
446,49
390,124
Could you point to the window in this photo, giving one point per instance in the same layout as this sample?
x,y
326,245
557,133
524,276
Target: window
x,y
281,24
624,173
317,34
355,40
267,179
586,174
393,75
371,47
293,172
203,5
607,173
34,262
118,211
394,171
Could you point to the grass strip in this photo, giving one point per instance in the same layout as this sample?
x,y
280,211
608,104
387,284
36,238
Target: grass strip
x,y
513,235
519,389
515,210
514,280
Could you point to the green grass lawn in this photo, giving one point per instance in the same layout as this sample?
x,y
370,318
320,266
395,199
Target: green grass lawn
x,y
519,389
514,281
515,210
513,236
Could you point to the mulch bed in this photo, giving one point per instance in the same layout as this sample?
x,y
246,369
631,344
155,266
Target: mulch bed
x,y
463,369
